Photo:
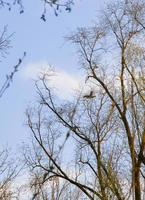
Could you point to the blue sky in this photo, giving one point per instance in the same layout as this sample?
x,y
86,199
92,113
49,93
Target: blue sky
x,y
44,44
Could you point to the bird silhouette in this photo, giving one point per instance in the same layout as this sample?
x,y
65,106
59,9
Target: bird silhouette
x,y
89,96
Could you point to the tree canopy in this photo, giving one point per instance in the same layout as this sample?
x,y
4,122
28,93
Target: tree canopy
x,y
106,126
92,145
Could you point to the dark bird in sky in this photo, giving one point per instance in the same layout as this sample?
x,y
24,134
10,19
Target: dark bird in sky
x,y
89,96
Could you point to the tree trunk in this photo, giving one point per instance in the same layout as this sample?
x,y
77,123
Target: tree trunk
x,y
136,182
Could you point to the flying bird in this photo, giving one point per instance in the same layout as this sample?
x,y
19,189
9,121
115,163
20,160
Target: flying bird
x,y
89,96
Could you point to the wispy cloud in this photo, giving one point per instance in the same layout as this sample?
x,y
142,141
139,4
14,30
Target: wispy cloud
x,y
32,70
64,83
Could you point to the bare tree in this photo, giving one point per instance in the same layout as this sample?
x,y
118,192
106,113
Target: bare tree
x,y
9,77
8,173
107,131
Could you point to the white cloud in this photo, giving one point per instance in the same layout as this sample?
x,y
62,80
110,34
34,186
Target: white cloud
x,y
32,70
64,83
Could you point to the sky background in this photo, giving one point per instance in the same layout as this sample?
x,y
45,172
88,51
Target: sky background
x,y
45,45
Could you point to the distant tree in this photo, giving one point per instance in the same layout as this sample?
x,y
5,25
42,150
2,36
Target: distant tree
x,y
104,134
8,173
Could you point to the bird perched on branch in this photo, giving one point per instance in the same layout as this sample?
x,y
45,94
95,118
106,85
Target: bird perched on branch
x,y
89,96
